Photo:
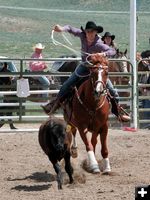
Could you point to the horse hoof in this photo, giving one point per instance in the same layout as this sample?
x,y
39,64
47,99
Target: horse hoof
x,y
105,165
107,170
74,152
95,169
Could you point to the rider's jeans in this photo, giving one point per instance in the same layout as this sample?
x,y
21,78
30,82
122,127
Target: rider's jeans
x,y
111,89
80,75
45,84
11,67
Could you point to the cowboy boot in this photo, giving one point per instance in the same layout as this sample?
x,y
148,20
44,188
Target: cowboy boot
x,y
117,110
51,107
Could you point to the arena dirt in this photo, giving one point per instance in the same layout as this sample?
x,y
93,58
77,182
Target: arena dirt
x,y
26,173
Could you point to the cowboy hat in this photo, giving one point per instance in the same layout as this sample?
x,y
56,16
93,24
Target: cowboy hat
x,y
39,46
108,34
92,26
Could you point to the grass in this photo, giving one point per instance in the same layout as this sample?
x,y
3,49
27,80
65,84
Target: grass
x,y
21,29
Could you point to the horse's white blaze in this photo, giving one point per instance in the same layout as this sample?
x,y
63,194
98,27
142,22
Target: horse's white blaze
x,y
124,65
93,164
99,86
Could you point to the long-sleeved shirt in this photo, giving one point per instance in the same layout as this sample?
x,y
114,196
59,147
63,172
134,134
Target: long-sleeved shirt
x,y
36,65
96,47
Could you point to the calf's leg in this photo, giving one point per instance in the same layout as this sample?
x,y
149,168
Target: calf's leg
x,y
58,172
68,167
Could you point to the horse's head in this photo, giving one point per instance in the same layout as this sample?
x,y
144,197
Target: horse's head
x,y
99,74
122,64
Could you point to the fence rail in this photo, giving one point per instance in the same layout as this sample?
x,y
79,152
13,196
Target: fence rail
x,y
34,114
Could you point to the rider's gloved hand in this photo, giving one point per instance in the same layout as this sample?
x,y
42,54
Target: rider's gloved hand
x,y
58,28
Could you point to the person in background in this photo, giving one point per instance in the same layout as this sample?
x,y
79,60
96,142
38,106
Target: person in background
x,y
108,39
145,91
10,65
38,65
90,43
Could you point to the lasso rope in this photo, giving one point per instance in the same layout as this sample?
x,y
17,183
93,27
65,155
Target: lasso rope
x,y
55,42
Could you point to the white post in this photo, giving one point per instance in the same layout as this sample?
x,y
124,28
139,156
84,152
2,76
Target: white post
x,y
133,57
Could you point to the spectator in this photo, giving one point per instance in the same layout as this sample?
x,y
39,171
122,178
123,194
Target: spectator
x,y
108,39
38,65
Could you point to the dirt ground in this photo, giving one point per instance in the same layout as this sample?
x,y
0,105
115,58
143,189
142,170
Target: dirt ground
x,y
27,174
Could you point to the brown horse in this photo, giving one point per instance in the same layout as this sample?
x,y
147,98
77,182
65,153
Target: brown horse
x,y
90,110
120,67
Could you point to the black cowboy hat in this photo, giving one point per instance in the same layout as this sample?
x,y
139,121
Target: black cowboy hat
x,y
145,54
108,34
92,26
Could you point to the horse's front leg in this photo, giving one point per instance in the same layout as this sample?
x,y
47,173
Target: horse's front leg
x,y
92,162
105,166
94,140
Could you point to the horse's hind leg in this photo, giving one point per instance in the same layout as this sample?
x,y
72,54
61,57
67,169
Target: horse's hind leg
x,y
104,150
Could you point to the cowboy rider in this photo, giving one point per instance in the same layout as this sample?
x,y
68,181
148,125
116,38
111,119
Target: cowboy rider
x,y
90,43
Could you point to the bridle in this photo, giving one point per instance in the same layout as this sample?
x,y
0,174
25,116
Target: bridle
x,y
94,83
103,91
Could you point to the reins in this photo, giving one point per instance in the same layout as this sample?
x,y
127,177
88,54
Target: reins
x,y
90,112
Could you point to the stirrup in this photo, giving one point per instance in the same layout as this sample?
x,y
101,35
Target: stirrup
x,y
123,116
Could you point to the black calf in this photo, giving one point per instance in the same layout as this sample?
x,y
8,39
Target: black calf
x,y
55,142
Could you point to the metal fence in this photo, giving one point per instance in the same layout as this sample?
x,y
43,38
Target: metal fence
x,y
28,109
144,94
